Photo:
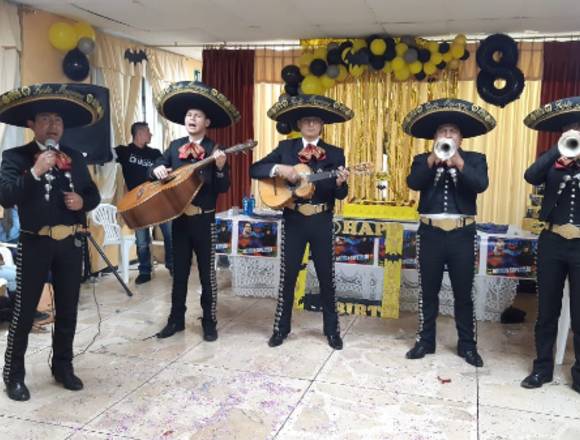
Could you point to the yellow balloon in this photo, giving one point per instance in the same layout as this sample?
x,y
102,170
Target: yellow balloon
x,y
84,30
358,43
294,135
415,67
388,67
401,48
62,36
453,64
433,47
356,71
460,39
457,51
402,74
429,68
436,58
305,70
342,73
327,82
321,53
311,85
345,53
378,46
398,63
447,57
305,59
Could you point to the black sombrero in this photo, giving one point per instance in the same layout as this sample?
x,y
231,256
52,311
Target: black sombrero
x,y
471,119
556,115
77,109
290,110
176,100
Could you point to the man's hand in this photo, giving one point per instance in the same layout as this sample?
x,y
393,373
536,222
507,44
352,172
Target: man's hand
x,y
433,160
161,172
220,159
73,201
456,161
44,163
287,172
342,176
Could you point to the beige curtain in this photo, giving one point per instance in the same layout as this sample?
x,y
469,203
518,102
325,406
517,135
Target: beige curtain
x,y
9,63
164,68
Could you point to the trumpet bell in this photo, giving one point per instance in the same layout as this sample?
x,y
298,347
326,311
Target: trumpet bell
x,y
445,149
569,144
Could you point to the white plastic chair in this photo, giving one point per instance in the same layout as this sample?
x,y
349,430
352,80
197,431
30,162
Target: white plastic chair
x,y
105,215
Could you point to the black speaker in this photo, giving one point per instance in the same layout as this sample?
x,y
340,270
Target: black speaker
x,y
94,141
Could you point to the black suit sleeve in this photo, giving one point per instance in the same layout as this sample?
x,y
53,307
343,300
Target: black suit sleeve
x,y
474,174
89,192
16,185
421,176
262,168
221,179
341,191
538,171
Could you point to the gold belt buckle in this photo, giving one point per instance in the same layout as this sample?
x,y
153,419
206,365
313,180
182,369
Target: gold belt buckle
x,y
192,210
309,209
57,232
568,231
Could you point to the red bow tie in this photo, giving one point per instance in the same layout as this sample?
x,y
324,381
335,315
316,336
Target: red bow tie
x,y
193,150
311,151
63,160
559,165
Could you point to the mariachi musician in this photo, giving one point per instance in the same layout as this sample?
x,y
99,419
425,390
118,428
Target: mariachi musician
x,y
449,180
53,190
559,243
307,221
198,107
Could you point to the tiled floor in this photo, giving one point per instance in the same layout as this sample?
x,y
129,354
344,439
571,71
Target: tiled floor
x,y
137,387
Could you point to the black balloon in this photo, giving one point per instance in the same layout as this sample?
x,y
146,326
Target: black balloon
x,y
75,65
283,128
341,48
442,65
424,55
318,67
390,43
370,39
444,47
291,89
390,53
514,85
333,56
420,76
505,45
291,74
377,62
363,56
465,55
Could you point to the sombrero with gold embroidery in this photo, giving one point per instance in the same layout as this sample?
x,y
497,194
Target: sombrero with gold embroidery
x,y
290,110
555,115
178,98
76,109
472,120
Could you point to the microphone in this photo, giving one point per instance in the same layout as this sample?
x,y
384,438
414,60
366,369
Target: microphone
x,y
50,144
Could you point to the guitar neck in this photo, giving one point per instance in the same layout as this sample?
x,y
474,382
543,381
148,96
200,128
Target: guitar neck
x,y
208,160
315,177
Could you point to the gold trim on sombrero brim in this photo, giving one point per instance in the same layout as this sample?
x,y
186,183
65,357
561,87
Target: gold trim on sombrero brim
x,y
555,115
76,109
472,120
295,107
212,102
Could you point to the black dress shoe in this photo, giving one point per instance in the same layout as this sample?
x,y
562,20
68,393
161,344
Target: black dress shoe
x,y
276,339
419,351
68,379
143,278
170,329
536,380
335,341
17,390
471,356
209,331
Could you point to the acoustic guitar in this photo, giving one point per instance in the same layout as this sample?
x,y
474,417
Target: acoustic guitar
x,y
159,201
277,192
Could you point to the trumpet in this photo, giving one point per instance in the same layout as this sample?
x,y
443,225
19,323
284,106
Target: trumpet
x,y
569,144
445,148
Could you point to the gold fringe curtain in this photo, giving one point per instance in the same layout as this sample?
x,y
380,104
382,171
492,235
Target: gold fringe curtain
x,y
375,132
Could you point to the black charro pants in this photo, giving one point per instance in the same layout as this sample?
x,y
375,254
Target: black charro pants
x,y
557,259
298,230
37,256
456,249
194,234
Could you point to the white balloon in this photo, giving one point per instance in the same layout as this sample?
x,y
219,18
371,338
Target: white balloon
x,y
86,45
